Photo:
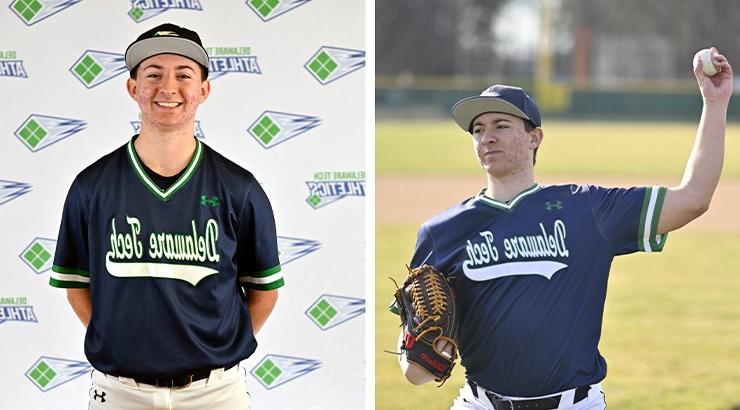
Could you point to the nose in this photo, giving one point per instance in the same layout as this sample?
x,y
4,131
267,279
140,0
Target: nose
x,y
489,136
169,85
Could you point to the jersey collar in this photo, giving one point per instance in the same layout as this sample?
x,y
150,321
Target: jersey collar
x,y
164,195
506,206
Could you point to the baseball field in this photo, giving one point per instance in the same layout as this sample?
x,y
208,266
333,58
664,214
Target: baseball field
x,y
671,333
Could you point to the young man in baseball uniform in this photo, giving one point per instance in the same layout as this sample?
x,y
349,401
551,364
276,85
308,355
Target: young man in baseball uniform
x,y
167,249
529,263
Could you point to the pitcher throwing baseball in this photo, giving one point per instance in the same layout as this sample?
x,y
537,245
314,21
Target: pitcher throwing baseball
x,y
529,263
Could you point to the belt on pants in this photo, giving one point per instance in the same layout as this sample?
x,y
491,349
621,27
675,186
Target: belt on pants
x,y
544,403
175,382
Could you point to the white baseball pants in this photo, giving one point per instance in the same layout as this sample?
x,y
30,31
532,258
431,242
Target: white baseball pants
x,y
222,390
468,401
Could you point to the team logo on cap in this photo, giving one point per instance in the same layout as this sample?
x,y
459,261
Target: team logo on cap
x,y
11,66
33,11
39,131
16,309
10,190
329,187
272,127
96,67
274,370
269,9
290,249
332,310
142,10
39,254
331,63
50,372
198,131
227,60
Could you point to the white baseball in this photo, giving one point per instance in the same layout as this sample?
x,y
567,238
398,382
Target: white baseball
x,y
707,63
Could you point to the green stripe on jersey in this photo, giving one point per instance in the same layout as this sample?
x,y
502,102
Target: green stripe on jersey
x,y
648,239
165,195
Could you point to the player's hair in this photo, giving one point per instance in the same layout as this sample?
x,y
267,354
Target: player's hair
x,y
529,127
135,71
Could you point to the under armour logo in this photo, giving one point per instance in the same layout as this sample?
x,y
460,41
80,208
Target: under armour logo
x,y
213,201
100,396
553,205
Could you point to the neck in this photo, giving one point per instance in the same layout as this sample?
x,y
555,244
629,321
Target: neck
x,y
165,152
505,188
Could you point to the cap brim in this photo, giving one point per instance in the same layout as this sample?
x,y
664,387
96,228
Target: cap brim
x,y
465,111
141,50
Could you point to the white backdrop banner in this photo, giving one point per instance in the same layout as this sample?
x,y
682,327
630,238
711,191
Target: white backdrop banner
x,y
287,103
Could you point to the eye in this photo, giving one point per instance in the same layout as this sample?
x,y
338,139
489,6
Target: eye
x,y
152,75
477,130
502,126
184,76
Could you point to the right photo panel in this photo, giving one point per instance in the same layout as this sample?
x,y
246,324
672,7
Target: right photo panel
x,y
556,206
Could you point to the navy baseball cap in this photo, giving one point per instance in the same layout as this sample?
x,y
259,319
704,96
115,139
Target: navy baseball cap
x,y
167,39
496,98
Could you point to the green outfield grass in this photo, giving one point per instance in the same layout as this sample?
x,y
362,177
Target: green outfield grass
x,y
570,148
671,328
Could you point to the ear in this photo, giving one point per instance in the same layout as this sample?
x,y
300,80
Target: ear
x,y
131,87
537,136
205,90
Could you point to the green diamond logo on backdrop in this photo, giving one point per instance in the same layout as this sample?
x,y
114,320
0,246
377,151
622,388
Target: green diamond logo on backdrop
x,y
87,69
322,313
50,372
39,254
331,63
136,13
274,370
314,200
269,9
265,129
27,9
264,7
331,310
42,374
268,372
32,133
33,11
323,65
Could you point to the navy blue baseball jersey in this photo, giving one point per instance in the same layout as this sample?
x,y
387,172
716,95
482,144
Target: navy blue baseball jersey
x,y
530,277
166,268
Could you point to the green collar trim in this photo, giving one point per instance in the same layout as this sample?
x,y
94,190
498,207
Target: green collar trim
x,y
153,188
506,206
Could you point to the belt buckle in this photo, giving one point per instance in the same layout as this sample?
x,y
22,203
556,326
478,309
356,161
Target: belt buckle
x,y
189,378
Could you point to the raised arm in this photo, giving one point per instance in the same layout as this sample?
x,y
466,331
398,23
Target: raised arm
x,y
691,198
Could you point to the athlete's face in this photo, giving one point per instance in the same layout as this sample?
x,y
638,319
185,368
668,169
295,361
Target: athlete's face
x,y
168,89
502,144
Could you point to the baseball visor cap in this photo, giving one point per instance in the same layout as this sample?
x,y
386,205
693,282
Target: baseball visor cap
x,y
167,39
496,98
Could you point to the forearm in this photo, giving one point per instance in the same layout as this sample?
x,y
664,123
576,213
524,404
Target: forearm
x,y
81,303
704,166
260,304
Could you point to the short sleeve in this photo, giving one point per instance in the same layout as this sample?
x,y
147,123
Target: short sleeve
x,y
257,260
71,259
424,252
628,217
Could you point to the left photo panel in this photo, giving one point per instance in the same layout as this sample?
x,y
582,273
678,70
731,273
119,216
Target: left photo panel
x,y
182,201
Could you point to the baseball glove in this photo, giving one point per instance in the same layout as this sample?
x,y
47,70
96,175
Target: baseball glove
x,y
426,306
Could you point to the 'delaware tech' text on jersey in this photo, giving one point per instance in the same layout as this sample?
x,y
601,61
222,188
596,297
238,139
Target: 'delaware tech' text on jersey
x,y
166,268
530,277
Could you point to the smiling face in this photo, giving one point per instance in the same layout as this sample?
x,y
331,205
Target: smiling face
x,y
503,145
168,89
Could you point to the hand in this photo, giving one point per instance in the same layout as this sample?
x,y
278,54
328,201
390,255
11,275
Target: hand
x,y
717,88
